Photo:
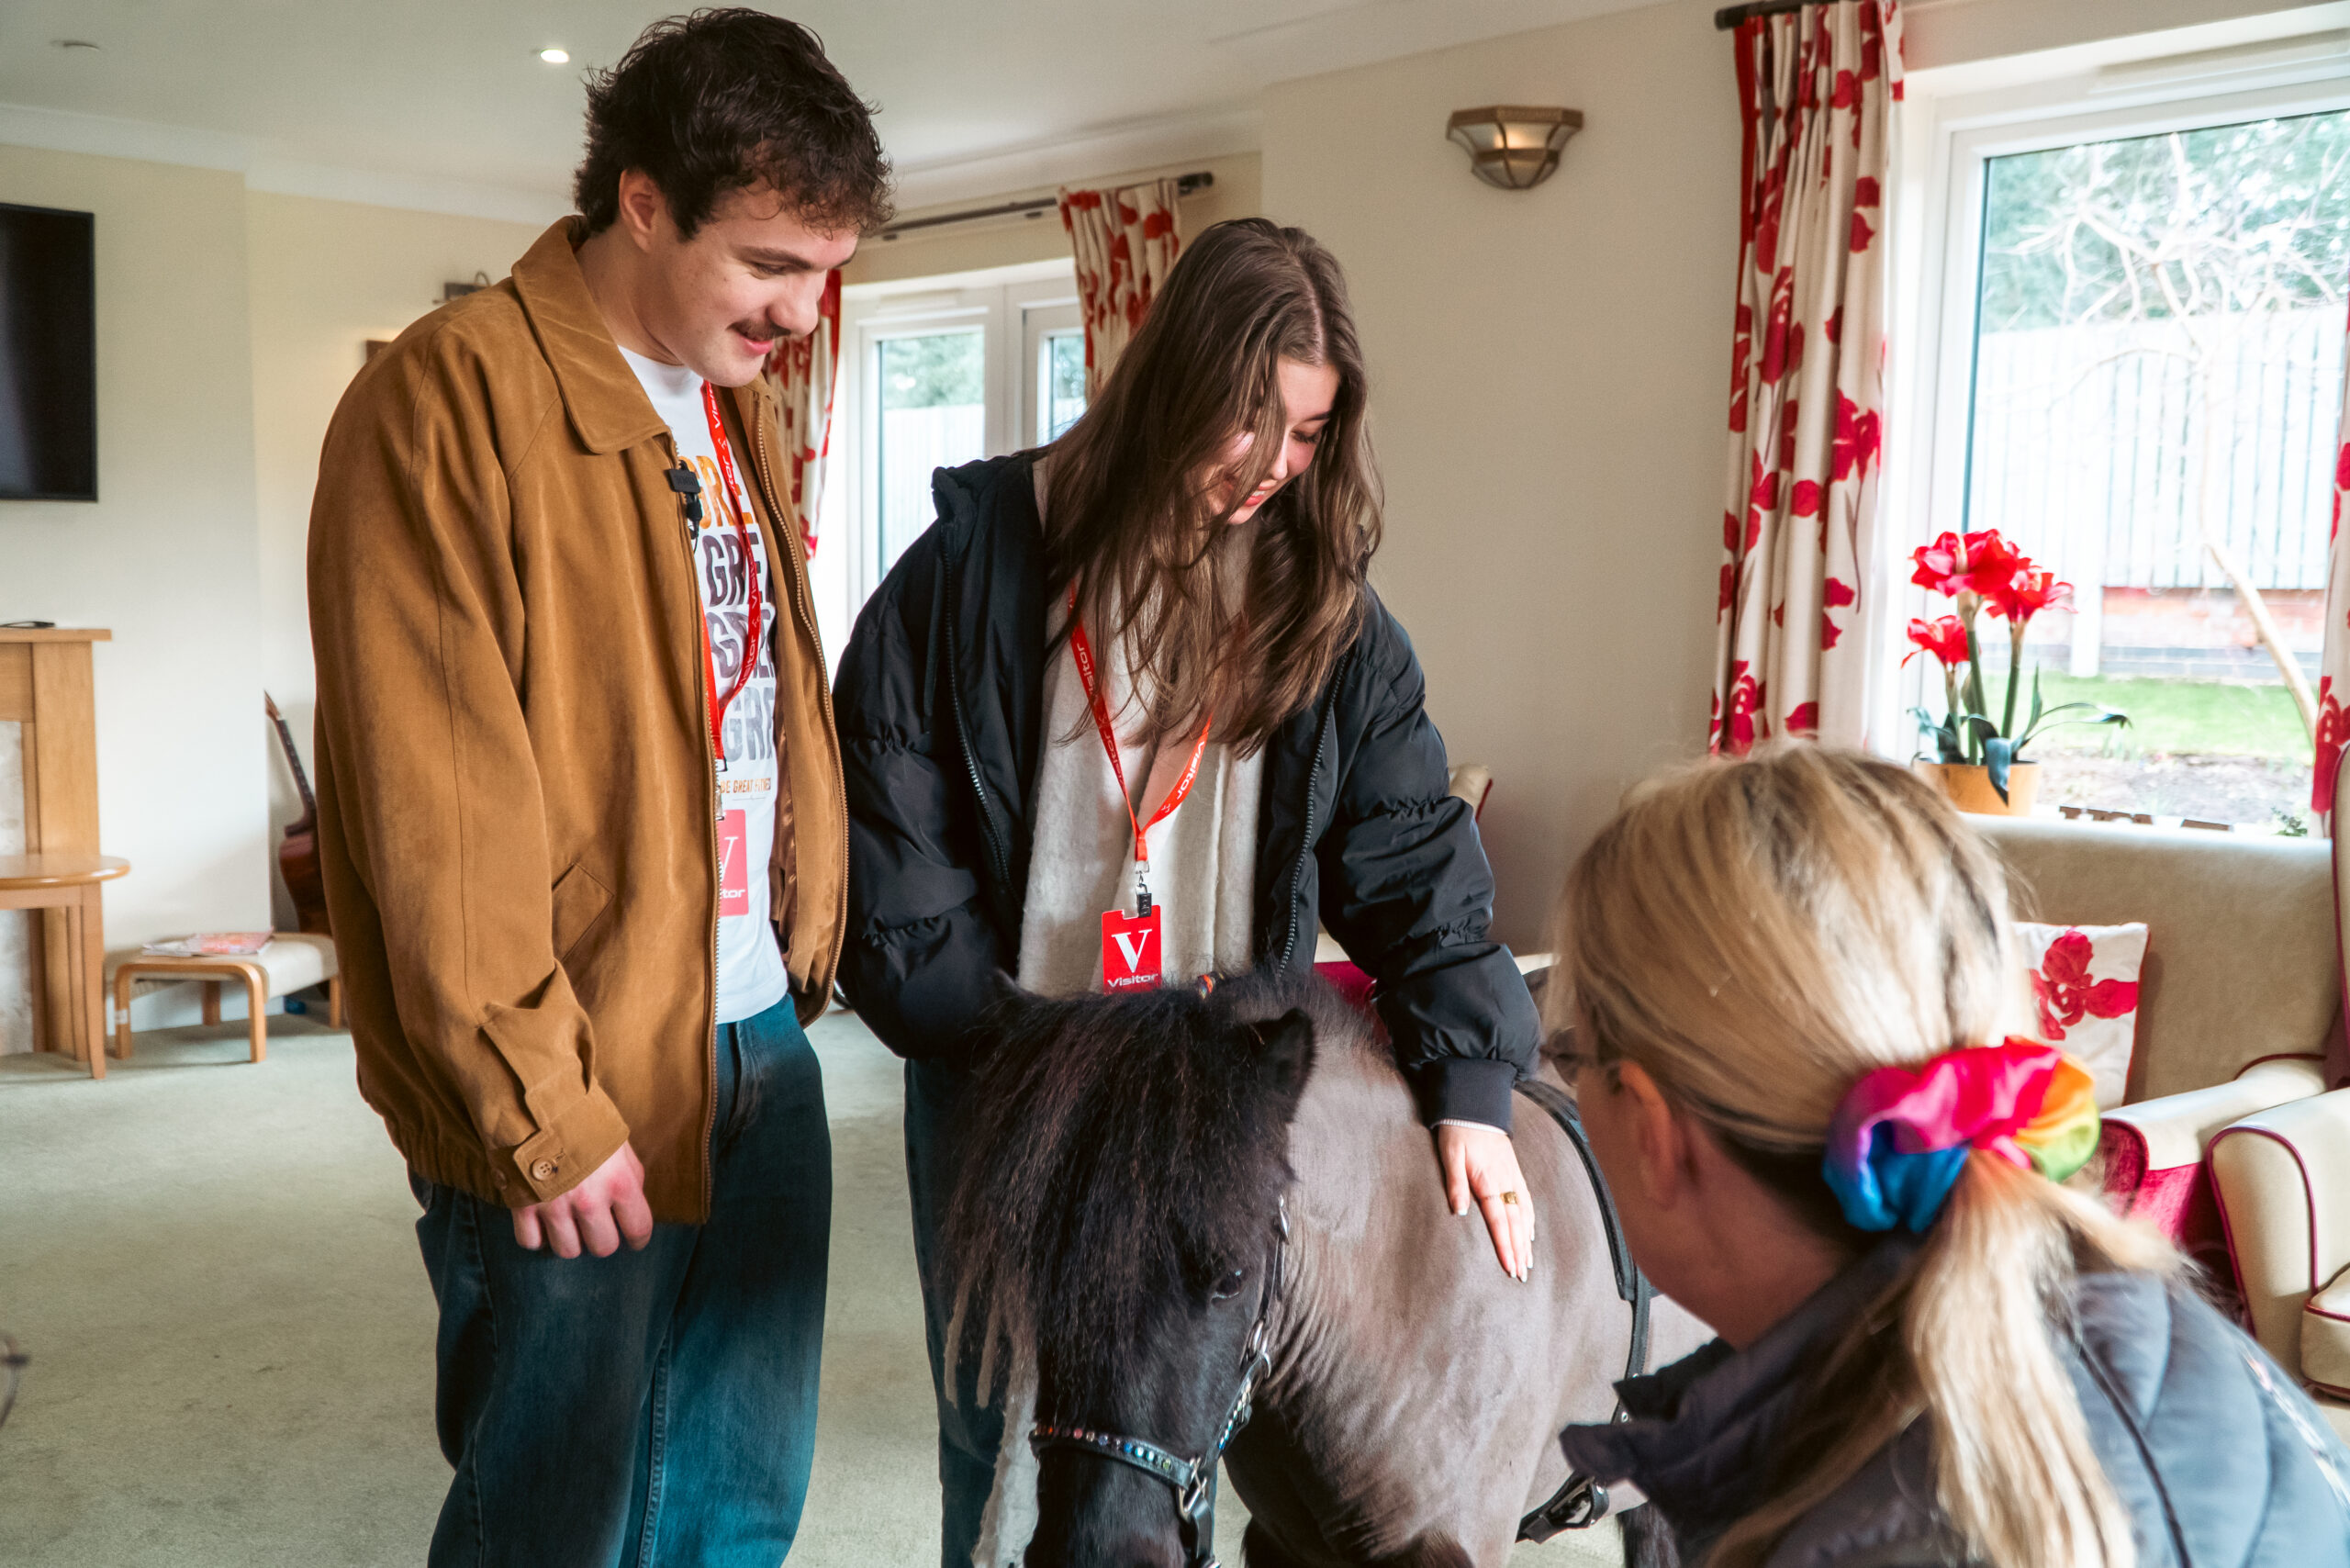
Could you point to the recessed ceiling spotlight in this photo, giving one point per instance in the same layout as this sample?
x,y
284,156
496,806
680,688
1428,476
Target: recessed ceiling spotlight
x,y
74,43
555,56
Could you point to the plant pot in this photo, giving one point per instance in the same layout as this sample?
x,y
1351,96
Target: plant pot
x,y
1968,787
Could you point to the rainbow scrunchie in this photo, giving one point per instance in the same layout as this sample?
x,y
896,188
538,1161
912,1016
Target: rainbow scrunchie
x,y
1901,1136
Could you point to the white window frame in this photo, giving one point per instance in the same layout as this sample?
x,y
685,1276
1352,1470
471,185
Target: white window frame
x,y
1014,307
1039,321
1941,182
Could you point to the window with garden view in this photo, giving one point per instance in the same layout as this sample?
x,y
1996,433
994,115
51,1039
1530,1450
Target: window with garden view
x,y
2157,391
932,415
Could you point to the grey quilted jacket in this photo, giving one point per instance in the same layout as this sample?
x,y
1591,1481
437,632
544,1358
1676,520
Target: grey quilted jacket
x,y
2222,1461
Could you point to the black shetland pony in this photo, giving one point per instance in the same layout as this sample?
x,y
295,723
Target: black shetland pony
x,y
1176,1207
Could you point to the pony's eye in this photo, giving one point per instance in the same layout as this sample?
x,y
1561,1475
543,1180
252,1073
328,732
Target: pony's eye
x,y
1229,1286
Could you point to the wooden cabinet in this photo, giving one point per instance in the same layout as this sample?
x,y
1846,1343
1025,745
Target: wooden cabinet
x,y
45,685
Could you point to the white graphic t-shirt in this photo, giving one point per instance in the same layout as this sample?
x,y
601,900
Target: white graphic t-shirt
x,y
751,976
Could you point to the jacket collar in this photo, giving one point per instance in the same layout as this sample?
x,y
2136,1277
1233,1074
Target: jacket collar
x,y
977,496
608,408
1703,1436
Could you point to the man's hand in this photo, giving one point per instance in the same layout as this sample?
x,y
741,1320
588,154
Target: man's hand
x,y
601,1211
1479,1165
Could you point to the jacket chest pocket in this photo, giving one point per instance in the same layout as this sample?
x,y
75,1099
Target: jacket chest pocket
x,y
580,901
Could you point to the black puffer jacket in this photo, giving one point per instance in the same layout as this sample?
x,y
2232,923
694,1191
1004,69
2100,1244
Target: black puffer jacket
x,y
941,711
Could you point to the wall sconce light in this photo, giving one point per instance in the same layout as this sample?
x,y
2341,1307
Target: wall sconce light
x,y
1511,145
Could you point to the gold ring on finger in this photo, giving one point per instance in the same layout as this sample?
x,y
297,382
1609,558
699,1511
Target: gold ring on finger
x,y
1509,1197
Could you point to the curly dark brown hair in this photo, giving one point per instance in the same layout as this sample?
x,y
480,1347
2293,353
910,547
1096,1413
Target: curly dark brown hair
x,y
728,98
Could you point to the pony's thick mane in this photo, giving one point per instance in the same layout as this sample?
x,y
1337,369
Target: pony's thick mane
x,y
1119,1151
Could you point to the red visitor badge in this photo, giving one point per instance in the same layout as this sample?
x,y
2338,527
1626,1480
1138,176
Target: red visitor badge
x,y
733,866
1130,959
1130,950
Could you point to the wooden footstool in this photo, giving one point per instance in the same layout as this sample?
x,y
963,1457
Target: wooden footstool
x,y
290,961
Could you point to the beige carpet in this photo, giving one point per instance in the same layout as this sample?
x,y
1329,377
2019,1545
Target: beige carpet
x,y
214,1268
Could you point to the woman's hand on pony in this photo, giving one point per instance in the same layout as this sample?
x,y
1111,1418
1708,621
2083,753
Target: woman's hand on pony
x,y
1480,1166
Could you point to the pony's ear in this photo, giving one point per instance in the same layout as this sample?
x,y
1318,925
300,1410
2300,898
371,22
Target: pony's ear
x,y
1285,1053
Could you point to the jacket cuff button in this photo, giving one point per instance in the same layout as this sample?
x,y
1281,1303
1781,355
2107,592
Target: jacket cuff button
x,y
542,1169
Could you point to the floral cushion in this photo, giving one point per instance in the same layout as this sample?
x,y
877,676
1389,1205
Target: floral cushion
x,y
2085,988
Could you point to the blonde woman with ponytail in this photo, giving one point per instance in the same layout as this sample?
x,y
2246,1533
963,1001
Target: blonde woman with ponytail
x,y
1792,983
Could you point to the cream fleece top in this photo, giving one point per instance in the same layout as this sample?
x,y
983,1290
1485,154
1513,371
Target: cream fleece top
x,y
1202,857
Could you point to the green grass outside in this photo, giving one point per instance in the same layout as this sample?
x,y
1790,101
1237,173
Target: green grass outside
x,y
2172,717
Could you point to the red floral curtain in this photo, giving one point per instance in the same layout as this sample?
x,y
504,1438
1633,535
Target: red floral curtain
x,y
1799,614
1125,245
806,370
2333,664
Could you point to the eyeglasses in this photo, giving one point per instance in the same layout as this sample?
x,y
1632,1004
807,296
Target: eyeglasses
x,y
13,1362
1565,1050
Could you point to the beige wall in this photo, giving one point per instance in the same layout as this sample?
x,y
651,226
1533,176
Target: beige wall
x,y
229,323
1549,376
1004,242
167,558
1551,371
324,277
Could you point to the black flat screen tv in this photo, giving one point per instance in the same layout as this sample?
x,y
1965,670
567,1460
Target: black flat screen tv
x,y
49,351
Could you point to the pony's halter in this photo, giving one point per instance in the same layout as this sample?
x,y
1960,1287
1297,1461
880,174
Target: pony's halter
x,y
1192,1480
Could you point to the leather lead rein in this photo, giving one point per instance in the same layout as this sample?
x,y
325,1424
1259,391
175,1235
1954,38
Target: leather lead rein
x,y
1580,1502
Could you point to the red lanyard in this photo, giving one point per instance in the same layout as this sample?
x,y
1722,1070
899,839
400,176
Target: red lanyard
x,y
1083,651
753,564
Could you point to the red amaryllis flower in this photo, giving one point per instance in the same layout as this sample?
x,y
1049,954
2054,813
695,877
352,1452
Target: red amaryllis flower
x,y
2026,593
1944,638
1951,566
1941,566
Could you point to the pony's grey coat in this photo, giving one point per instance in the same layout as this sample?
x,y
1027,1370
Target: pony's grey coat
x,y
1417,1390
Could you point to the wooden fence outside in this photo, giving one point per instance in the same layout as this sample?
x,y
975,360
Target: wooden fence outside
x,y
2098,449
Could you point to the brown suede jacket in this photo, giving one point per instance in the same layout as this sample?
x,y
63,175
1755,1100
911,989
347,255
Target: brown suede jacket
x,y
514,776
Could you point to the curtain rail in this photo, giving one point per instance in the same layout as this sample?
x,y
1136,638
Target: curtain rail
x,y
1185,185
1729,17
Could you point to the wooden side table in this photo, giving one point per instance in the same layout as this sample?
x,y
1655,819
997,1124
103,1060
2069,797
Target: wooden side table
x,y
71,884
47,686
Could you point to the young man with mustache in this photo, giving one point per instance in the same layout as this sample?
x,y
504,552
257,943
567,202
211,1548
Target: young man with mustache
x,y
581,815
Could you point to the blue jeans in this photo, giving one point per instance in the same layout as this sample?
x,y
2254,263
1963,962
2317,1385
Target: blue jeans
x,y
969,1431
651,1407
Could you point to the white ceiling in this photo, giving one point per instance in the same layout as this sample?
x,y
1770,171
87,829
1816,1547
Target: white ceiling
x,y
444,103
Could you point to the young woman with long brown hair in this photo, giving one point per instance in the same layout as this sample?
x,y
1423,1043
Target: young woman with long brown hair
x,y
1791,980
1130,712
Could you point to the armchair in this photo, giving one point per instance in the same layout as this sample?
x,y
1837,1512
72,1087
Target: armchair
x,y
2283,1176
2228,1141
